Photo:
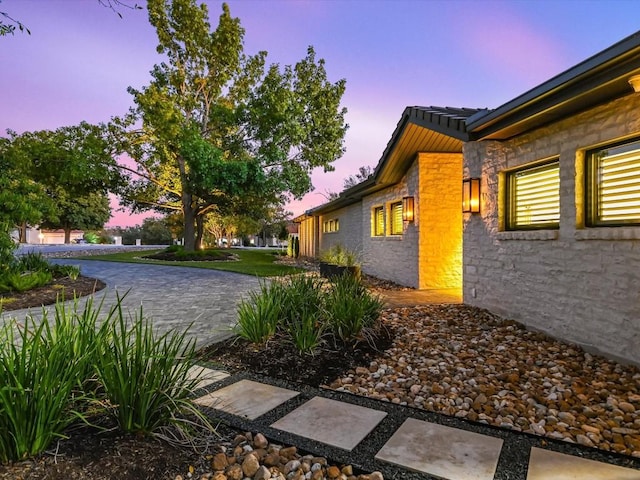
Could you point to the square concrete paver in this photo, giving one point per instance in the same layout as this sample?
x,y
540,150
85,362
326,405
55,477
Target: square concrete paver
x,y
206,376
548,465
443,451
246,398
335,423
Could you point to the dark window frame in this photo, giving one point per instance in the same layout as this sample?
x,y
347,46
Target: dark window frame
x,y
510,197
591,189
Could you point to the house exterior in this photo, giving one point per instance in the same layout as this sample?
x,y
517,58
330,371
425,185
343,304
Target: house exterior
x,y
556,242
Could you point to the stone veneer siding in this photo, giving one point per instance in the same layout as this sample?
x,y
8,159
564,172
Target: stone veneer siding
x,y
440,215
392,257
349,235
580,284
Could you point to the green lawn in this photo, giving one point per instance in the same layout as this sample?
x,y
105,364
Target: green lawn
x,y
251,262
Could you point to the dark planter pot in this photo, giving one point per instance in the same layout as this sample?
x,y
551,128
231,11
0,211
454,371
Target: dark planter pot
x,y
331,271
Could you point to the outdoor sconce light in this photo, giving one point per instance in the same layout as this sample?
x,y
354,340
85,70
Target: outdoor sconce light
x,y
471,195
635,83
407,209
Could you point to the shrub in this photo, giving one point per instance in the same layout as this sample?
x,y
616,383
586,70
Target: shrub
x,y
350,308
52,371
146,377
258,316
90,237
71,271
304,309
21,282
32,261
339,255
41,364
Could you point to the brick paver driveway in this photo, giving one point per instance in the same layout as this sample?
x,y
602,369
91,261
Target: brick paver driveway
x,y
173,297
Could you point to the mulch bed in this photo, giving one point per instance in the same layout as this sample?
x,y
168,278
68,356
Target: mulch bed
x,y
278,358
64,288
206,256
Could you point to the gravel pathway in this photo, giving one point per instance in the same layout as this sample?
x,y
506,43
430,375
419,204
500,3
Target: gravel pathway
x,y
468,363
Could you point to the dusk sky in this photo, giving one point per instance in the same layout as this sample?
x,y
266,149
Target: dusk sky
x,y
80,58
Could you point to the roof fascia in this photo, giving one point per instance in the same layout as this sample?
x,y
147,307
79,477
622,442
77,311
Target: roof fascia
x,y
597,70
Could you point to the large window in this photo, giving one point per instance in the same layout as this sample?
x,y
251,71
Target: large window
x,y
395,218
613,185
378,222
533,197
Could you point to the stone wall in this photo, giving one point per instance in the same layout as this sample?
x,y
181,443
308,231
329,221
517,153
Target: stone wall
x,y
577,283
349,235
440,217
392,257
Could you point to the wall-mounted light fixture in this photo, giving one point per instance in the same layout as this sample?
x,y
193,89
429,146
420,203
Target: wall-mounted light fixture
x,y
635,83
471,195
407,209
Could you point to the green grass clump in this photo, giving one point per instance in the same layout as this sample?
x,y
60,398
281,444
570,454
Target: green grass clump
x,y
350,308
305,310
21,282
145,376
54,371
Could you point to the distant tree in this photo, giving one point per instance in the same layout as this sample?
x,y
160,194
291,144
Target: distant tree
x,y
154,231
66,164
364,172
217,126
88,212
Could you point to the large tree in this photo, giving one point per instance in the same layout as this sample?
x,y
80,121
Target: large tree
x,y
49,166
219,125
87,212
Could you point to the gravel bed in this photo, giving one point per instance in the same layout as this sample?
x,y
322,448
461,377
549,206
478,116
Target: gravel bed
x,y
468,363
86,252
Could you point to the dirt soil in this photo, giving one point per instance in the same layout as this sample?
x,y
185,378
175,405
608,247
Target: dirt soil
x,y
60,288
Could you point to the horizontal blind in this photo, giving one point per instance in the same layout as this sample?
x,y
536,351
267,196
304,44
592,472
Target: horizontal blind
x,y
618,185
396,218
536,196
379,221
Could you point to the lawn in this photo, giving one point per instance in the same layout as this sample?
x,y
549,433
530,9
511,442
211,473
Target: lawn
x,y
255,262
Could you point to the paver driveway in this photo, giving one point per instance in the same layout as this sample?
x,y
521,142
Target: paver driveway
x,y
173,297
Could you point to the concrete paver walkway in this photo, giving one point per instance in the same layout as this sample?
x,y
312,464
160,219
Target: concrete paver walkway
x,y
402,442
173,297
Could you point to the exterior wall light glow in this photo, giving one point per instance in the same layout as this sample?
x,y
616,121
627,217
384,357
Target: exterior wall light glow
x,y
635,83
407,209
471,195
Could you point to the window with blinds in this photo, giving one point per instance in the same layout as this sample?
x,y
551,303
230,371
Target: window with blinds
x,y
613,185
331,226
378,221
395,217
533,197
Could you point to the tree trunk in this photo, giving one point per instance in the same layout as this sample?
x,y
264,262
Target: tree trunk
x,y
199,231
188,212
23,232
67,235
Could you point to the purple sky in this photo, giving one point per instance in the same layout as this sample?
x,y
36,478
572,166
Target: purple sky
x,y
80,58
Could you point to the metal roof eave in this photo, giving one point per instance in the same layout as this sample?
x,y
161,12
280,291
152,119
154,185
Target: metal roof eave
x,y
599,78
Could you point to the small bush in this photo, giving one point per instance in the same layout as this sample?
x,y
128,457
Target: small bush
x,y
146,377
304,309
350,308
339,255
21,282
258,316
59,271
41,365
33,262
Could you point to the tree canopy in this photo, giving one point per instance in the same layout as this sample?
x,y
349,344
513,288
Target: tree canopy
x,y
45,171
219,127
364,173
